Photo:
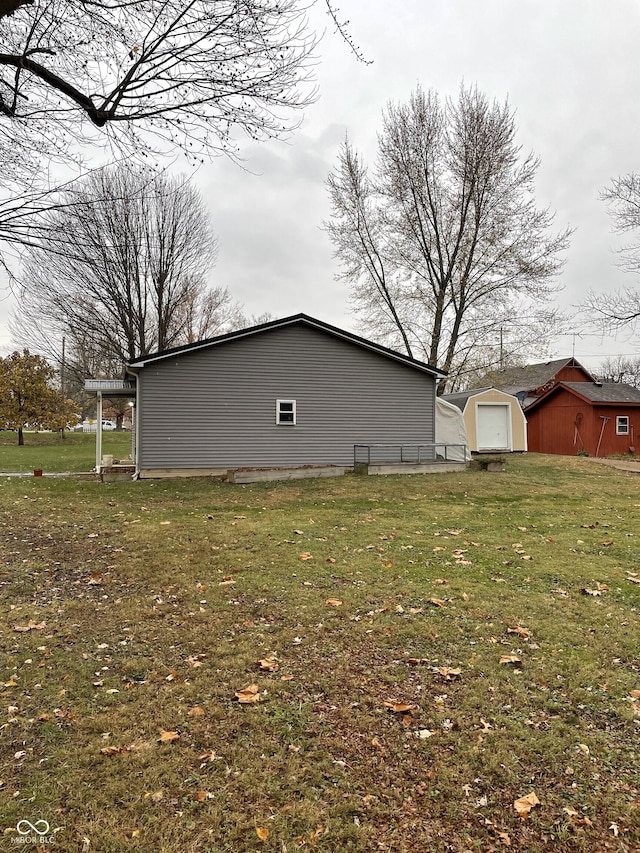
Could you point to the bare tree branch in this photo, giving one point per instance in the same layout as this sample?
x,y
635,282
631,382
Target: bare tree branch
x,y
153,75
619,310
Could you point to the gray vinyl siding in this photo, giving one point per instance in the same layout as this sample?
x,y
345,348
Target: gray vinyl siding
x,y
216,407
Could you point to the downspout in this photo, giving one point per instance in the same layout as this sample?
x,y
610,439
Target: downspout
x,y
135,425
98,432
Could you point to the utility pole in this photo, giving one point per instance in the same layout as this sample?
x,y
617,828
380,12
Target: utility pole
x,y
62,379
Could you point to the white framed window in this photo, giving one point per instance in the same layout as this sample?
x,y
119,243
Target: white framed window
x,y
622,425
285,411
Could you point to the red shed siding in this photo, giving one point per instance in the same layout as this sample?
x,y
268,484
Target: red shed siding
x,y
572,373
555,426
569,373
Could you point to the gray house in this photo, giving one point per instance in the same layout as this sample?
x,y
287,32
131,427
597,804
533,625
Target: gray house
x,y
287,393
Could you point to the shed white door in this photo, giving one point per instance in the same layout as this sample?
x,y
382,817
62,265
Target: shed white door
x,y
493,424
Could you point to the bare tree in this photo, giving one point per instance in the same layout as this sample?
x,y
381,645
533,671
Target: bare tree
x,y
442,244
613,312
139,248
621,368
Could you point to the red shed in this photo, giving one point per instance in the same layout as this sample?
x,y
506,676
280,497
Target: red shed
x,y
601,418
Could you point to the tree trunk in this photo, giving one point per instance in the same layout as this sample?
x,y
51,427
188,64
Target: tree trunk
x,y
20,437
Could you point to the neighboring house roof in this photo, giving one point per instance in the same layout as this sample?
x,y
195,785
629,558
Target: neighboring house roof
x,y
296,319
460,398
598,393
531,376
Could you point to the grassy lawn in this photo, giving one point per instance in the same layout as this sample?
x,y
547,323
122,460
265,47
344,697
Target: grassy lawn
x,y
51,453
356,664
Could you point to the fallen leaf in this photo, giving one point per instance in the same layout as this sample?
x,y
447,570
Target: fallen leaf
x,y
262,833
399,707
269,664
525,633
586,591
114,750
437,602
447,672
524,805
30,626
333,602
167,737
209,756
196,711
512,660
248,695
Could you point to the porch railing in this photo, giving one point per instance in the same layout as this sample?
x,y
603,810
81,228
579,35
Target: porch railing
x,y
417,454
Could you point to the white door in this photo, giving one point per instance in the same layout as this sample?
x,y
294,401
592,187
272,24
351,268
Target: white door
x,y
493,426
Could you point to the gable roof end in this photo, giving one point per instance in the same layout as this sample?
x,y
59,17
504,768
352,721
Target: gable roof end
x,y
531,376
460,398
296,319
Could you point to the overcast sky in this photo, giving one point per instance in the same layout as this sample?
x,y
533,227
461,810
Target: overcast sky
x,y
571,72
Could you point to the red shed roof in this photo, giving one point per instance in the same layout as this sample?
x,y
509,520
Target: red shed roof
x,y
597,393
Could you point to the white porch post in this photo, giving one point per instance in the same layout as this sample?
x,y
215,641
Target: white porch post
x,y
134,430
